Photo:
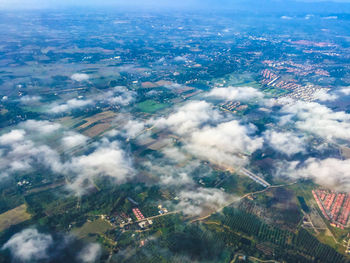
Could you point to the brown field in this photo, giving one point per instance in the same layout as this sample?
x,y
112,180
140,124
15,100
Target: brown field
x,y
103,116
97,129
46,187
14,217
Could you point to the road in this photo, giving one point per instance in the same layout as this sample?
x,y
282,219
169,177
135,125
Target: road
x,y
241,198
150,218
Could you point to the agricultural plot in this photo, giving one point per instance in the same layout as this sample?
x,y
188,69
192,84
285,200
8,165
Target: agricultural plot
x,y
150,106
14,217
301,242
98,226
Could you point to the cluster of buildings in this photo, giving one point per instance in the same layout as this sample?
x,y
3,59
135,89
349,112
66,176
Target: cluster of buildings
x,y
306,93
295,90
233,106
23,183
140,217
162,210
334,206
295,68
138,214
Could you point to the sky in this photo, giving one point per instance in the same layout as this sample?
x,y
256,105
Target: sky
x,y
38,4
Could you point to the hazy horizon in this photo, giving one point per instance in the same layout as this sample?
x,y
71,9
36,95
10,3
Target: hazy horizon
x,y
153,4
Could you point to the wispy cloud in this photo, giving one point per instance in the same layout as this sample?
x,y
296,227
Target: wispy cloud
x,y
29,245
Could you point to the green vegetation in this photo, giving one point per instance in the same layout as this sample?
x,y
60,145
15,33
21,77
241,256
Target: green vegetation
x,y
150,106
286,243
98,226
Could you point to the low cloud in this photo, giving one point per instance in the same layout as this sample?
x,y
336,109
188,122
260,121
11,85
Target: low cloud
x,y
174,154
118,96
30,99
29,245
20,150
207,134
91,253
345,91
285,142
221,144
195,202
236,93
189,117
107,160
80,77
41,127
317,119
330,172
323,95
121,96
12,137
70,105
73,139
23,154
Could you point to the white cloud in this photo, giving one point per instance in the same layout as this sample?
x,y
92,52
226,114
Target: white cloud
x,y
30,99
174,154
91,253
70,105
23,151
221,144
195,202
285,142
176,179
29,245
117,96
80,77
317,119
42,127
345,91
180,59
121,96
207,135
189,117
107,160
72,139
133,128
12,137
323,95
236,93
330,172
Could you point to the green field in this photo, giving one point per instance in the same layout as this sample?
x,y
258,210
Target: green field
x,y
98,226
150,106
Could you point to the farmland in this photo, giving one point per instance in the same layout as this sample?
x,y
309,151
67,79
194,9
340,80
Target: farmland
x,y
14,216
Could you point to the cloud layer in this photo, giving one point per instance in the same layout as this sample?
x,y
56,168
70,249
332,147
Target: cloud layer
x,y
29,245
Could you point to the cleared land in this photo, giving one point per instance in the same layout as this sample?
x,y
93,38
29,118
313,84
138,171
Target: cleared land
x,y
98,226
14,217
